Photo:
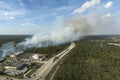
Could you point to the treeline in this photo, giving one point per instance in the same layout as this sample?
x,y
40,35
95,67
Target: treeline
x,y
12,38
90,61
47,50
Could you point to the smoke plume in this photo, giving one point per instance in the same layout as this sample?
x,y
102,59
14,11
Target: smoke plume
x,y
73,29
7,49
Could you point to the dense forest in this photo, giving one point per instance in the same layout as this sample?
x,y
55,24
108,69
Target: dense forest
x,y
42,50
12,38
47,50
90,60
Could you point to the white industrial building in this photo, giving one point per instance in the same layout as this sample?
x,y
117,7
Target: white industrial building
x,y
37,56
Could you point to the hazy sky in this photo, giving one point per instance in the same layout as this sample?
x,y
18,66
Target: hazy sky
x,y
32,16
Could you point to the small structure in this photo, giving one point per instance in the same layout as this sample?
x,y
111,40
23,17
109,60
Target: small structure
x,y
12,55
37,56
18,53
10,68
15,66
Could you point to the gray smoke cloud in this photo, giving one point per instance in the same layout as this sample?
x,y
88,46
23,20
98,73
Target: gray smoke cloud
x,y
73,29
7,49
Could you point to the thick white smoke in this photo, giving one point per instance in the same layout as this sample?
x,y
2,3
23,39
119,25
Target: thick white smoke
x,y
66,34
70,29
7,49
73,29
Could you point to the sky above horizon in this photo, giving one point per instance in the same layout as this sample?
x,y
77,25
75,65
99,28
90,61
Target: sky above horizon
x,y
32,16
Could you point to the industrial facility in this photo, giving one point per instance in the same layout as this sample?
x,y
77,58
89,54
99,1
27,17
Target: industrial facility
x,y
16,66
